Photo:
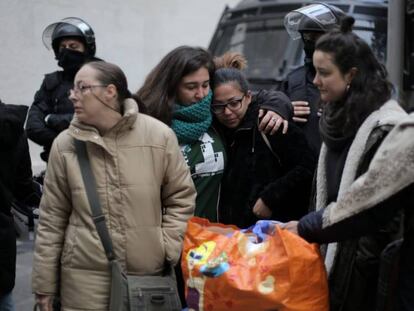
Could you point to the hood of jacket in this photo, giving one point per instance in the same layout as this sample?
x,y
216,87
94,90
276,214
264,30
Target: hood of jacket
x,y
86,132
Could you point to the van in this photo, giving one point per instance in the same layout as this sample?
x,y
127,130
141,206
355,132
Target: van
x,y
255,28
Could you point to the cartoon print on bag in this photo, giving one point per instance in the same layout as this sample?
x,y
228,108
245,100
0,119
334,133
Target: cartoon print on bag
x,y
209,269
250,246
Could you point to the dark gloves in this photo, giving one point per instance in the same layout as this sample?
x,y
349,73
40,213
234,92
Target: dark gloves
x,y
58,122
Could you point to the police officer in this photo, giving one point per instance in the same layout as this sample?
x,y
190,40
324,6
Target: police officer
x,y
308,23
73,42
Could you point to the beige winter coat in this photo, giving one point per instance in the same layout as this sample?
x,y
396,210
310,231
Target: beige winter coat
x,y
146,194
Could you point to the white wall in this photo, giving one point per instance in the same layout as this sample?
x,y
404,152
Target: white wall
x,y
133,34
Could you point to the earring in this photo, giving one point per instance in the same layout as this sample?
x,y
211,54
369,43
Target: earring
x,y
347,87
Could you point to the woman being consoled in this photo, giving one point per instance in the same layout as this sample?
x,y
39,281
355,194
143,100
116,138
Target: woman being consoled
x,y
268,176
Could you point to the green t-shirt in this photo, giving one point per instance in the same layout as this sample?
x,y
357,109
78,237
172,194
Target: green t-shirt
x,y
206,159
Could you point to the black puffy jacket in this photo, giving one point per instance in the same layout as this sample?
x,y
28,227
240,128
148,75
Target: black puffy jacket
x,y
15,182
282,180
50,100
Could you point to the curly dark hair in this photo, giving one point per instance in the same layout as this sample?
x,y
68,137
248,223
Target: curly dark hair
x,y
370,88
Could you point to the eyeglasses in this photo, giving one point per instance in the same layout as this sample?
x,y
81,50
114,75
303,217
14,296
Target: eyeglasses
x,y
233,104
81,89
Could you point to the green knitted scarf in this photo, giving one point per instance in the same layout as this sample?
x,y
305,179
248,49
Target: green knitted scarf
x,y
190,122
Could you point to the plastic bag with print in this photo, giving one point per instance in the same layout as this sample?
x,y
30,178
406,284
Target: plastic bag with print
x,y
260,268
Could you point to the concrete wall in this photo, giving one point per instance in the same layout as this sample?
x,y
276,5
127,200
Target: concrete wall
x,y
134,34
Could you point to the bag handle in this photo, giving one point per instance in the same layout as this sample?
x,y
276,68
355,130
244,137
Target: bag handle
x,y
262,229
92,194
267,142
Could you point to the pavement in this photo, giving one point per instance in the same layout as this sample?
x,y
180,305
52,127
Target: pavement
x,y
22,293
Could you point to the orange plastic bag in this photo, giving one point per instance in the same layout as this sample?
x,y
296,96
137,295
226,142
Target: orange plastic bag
x,y
263,268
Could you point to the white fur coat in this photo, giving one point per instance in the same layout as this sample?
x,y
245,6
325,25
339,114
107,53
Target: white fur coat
x,y
389,114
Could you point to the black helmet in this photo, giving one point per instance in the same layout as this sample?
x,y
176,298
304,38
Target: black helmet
x,y
317,17
69,27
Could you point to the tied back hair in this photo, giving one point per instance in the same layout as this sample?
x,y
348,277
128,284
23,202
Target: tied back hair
x,y
229,68
108,73
347,24
369,88
230,60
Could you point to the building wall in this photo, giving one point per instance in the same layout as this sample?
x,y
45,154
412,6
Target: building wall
x,y
133,34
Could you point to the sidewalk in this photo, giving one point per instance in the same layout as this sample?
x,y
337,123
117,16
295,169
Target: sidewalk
x,y
22,294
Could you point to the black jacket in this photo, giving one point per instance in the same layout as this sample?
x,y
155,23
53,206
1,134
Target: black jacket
x,y
282,181
362,239
50,100
372,220
298,86
15,182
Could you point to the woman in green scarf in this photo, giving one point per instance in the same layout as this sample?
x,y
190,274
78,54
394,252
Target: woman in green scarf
x,y
177,92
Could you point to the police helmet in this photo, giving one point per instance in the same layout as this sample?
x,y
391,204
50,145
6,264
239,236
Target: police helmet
x,y
317,17
69,27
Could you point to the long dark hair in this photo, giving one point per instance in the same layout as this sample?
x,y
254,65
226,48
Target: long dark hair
x,y
159,90
369,88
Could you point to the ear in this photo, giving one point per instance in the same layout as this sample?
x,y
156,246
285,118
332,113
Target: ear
x,y
111,92
349,76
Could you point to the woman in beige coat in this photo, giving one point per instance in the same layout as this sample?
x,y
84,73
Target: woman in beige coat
x,y
144,186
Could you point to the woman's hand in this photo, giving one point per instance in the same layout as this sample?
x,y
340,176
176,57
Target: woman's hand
x,y
44,302
291,226
271,122
301,111
261,210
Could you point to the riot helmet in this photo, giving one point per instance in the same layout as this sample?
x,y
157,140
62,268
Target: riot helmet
x,y
69,27
317,17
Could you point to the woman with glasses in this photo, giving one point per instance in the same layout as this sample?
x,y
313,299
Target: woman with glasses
x,y
267,177
177,92
144,188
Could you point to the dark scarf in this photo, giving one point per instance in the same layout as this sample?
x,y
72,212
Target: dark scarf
x,y
333,126
71,61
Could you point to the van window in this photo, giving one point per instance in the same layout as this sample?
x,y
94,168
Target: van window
x,y
255,29
264,43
